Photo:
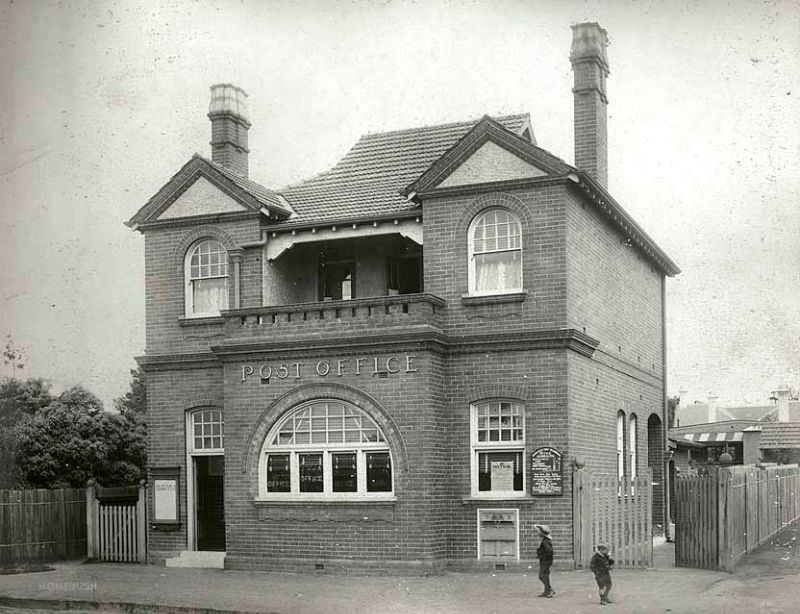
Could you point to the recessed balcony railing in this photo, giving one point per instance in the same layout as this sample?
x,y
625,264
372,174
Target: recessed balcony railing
x,y
356,314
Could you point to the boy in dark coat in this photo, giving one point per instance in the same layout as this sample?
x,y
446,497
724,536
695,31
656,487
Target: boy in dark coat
x,y
601,565
545,554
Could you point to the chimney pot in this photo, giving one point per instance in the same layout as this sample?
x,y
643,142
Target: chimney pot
x,y
229,125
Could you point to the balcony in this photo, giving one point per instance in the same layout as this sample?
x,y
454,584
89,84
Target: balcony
x,y
355,319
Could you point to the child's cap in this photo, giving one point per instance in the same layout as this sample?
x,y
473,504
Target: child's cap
x,y
543,528
602,547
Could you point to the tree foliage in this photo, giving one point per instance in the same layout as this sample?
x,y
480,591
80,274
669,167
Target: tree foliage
x,y
18,401
672,407
134,402
75,440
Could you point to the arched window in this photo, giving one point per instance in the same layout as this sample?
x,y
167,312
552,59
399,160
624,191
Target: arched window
x,y
206,279
620,445
326,448
495,253
498,446
632,446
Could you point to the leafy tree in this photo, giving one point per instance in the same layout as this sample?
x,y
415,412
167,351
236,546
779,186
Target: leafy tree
x,y
75,440
135,400
672,406
18,400
13,356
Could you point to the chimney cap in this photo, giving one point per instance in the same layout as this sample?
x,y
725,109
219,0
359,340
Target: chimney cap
x,y
228,98
589,42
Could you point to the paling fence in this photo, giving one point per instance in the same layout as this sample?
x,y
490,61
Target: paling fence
x,y
116,523
615,512
728,512
42,525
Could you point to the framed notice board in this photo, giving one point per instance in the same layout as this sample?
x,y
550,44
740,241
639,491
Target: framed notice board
x,y
546,475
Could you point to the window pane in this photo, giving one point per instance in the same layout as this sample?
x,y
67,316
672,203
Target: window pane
x,y
278,473
344,472
310,472
379,472
499,471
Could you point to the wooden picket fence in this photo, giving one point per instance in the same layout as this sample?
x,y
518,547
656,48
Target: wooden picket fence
x,y
614,512
728,512
116,524
42,525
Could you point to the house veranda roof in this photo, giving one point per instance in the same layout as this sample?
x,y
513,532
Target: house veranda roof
x,y
780,435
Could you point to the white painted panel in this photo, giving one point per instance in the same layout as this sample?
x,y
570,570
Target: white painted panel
x,y
201,198
491,163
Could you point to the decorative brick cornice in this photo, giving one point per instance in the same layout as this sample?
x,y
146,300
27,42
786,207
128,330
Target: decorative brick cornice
x,y
566,338
172,362
483,188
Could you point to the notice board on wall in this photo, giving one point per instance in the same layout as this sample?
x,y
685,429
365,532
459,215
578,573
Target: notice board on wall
x,y
546,475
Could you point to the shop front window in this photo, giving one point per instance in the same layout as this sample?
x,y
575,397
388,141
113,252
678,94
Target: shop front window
x,y
326,448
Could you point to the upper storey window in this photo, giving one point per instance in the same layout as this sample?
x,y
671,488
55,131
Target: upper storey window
x,y
206,279
495,253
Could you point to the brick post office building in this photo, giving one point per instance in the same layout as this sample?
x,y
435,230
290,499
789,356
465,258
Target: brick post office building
x,y
362,371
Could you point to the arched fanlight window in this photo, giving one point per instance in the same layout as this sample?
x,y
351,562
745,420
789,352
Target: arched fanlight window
x,y
326,448
632,446
495,253
620,444
206,273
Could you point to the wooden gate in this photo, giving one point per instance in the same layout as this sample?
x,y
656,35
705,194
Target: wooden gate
x,y
116,523
614,512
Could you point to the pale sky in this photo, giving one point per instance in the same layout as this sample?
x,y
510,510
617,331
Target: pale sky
x,y
102,102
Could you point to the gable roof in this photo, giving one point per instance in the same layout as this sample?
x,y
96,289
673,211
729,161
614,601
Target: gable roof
x,y
780,435
368,181
248,193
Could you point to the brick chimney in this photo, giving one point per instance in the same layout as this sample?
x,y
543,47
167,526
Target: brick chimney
x,y
782,395
590,66
229,125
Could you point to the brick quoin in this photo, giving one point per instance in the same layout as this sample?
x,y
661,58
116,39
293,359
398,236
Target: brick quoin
x,y
583,340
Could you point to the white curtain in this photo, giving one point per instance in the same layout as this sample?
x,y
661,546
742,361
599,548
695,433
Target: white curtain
x,y
209,296
499,271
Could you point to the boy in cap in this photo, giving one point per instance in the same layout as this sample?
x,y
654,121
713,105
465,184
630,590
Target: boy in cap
x,y
601,565
545,554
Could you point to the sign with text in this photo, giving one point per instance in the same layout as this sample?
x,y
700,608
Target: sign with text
x,y
546,475
381,366
165,500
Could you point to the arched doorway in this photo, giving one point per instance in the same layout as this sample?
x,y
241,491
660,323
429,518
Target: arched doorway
x,y
655,460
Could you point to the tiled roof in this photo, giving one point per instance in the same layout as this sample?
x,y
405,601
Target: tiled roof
x,y
697,413
367,182
780,435
263,195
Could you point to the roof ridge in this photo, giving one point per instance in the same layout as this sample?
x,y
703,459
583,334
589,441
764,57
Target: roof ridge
x,y
447,125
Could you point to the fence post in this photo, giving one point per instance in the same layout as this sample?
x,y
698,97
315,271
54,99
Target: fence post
x,y
92,546
141,524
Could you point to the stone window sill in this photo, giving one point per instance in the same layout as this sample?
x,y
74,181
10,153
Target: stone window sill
x,y
493,299
471,500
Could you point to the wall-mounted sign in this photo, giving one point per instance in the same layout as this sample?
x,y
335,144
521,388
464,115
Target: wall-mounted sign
x,y
362,365
166,500
546,476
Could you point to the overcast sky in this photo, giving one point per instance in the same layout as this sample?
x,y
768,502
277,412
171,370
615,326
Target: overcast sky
x,y
103,101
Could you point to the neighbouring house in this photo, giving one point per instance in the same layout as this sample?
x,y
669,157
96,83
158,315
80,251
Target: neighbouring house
x,y
394,365
751,434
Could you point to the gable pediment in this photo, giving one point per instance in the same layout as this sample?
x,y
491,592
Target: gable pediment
x,y
487,154
202,198
489,163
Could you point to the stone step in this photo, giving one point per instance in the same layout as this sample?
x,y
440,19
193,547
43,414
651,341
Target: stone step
x,y
198,559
